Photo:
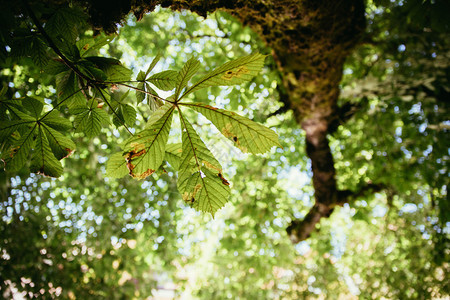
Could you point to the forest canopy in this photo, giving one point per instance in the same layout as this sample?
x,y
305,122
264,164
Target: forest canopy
x,y
214,149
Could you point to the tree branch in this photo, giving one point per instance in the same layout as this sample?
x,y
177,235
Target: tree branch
x,y
52,44
300,230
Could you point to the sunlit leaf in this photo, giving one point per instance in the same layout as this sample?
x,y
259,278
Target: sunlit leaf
x,y
33,105
153,102
245,134
195,151
164,80
124,114
54,120
186,73
200,179
145,151
173,155
116,167
153,63
231,73
204,190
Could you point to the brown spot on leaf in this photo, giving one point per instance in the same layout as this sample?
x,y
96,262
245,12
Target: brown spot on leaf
x,y
137,146
142,175
235,73
197,188
224,181
211,166
132,154
13,151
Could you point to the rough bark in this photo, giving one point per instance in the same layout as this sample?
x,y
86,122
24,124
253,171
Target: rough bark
x,y
310,40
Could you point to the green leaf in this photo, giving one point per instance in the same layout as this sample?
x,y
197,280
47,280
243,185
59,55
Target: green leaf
x,y
43,161
3,91
231,73
90,70
53,120
195,151
21,115
153,63
140,96
68,91
164,80
186,73
39,53
116,167
153,102
111,67
89,45
125,114
54,67
60,27
90,120
173,155
200,179
145,151
18,154
118,73
204,190
33,105
8,127
61,145
245,134
140,76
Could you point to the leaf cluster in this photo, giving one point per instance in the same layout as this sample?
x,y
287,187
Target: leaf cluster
x,y
88,96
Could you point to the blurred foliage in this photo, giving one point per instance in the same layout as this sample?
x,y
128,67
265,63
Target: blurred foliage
x,y
88,236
